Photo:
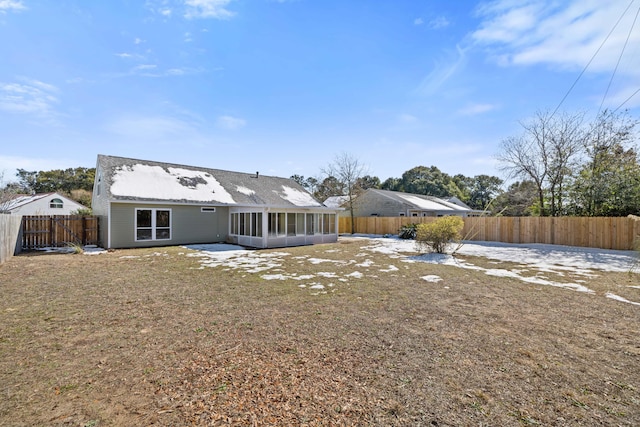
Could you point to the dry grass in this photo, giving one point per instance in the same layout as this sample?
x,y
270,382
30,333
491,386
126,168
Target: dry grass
x,y
154,339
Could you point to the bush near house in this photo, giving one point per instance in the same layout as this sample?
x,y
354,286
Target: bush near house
x,y
437,235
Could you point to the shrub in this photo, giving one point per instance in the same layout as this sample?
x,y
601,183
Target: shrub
x,y
407,231
438,234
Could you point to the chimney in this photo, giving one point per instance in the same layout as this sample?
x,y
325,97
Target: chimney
x,y
257,175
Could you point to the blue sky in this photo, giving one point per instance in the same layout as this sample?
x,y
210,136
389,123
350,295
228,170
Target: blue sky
x,y
282,87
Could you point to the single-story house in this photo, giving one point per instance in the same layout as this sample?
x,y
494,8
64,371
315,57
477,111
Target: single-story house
x,y
40,204
386,203
143,203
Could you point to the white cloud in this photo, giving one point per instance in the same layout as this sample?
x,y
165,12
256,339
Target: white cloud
x,y
407,118
216,9
137,40
11,5
474,109
230,123
418,21
439,22
441,73
565,34
29,97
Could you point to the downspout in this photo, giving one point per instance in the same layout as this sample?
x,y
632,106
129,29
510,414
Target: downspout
x,y
109,226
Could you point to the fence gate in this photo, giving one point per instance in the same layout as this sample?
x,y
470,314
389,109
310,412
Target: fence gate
x,y
42,231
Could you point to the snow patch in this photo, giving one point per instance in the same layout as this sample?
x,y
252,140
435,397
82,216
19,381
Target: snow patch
x,y
155,182
297,197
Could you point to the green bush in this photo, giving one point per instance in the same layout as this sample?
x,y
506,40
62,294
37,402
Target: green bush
x,y
407,231
437,235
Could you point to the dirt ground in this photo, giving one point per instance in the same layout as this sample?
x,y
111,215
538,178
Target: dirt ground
x,y
151,337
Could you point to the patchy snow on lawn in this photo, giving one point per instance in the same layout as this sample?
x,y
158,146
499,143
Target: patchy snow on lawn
x,y
532,260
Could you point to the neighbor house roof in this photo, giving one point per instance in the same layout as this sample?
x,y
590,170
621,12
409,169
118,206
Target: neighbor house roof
x,y
427,203
20,200
143,180
23,199
336,201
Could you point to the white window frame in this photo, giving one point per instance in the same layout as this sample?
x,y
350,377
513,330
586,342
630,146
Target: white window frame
x,y
56,203
207,209
153,227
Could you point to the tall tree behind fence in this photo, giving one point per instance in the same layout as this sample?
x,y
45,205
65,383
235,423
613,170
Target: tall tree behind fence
x,y
594,232
41,231
9,236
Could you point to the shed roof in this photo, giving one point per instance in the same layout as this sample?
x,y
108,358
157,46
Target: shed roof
x,y
128,179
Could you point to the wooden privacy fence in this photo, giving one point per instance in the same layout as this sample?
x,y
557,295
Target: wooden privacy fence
x,y
594,232
42,231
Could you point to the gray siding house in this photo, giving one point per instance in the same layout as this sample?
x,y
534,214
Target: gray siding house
x,y
374,202
144,203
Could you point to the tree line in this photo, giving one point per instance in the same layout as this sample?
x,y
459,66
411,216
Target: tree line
x,y
560,165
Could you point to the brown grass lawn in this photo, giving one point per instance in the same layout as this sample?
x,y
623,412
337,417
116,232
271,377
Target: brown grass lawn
x,y
150,337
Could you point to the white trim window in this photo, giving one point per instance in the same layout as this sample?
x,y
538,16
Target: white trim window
x,y
153,224
56,203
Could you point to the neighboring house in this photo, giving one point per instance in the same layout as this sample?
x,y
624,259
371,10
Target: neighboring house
x,y
374,202
144,203
336,202
40,204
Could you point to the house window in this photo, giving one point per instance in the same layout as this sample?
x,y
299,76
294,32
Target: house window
x,y
402,214
153,224
55,204
203,209
313,225
328,223
247,224
291,224
256,224
277,223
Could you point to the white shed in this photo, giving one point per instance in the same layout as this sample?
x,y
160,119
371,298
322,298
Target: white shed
x,y
40,204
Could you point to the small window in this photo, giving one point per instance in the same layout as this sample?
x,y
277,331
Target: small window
x,y
55,204
402,214
203,209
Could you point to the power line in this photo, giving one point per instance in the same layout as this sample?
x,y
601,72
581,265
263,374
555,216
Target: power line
x,y
619,59
592,58
627,100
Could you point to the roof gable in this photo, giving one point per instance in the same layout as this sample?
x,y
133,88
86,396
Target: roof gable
x,y
132,179
20,200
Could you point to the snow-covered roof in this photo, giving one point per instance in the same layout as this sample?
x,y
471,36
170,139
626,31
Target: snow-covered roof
x,y
335,201
426,203
131,179
22,199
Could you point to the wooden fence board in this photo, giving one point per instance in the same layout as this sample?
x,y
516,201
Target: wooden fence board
x,y
42,231
597,232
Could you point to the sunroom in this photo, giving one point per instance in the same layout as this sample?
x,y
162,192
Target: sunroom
x,y
269,228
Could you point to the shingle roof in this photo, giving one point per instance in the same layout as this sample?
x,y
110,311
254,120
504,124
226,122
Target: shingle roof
x,y
420,201
23,199
128,179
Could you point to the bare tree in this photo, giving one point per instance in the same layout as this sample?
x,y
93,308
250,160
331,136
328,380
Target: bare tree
x,y
545,154
348,170
7,193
